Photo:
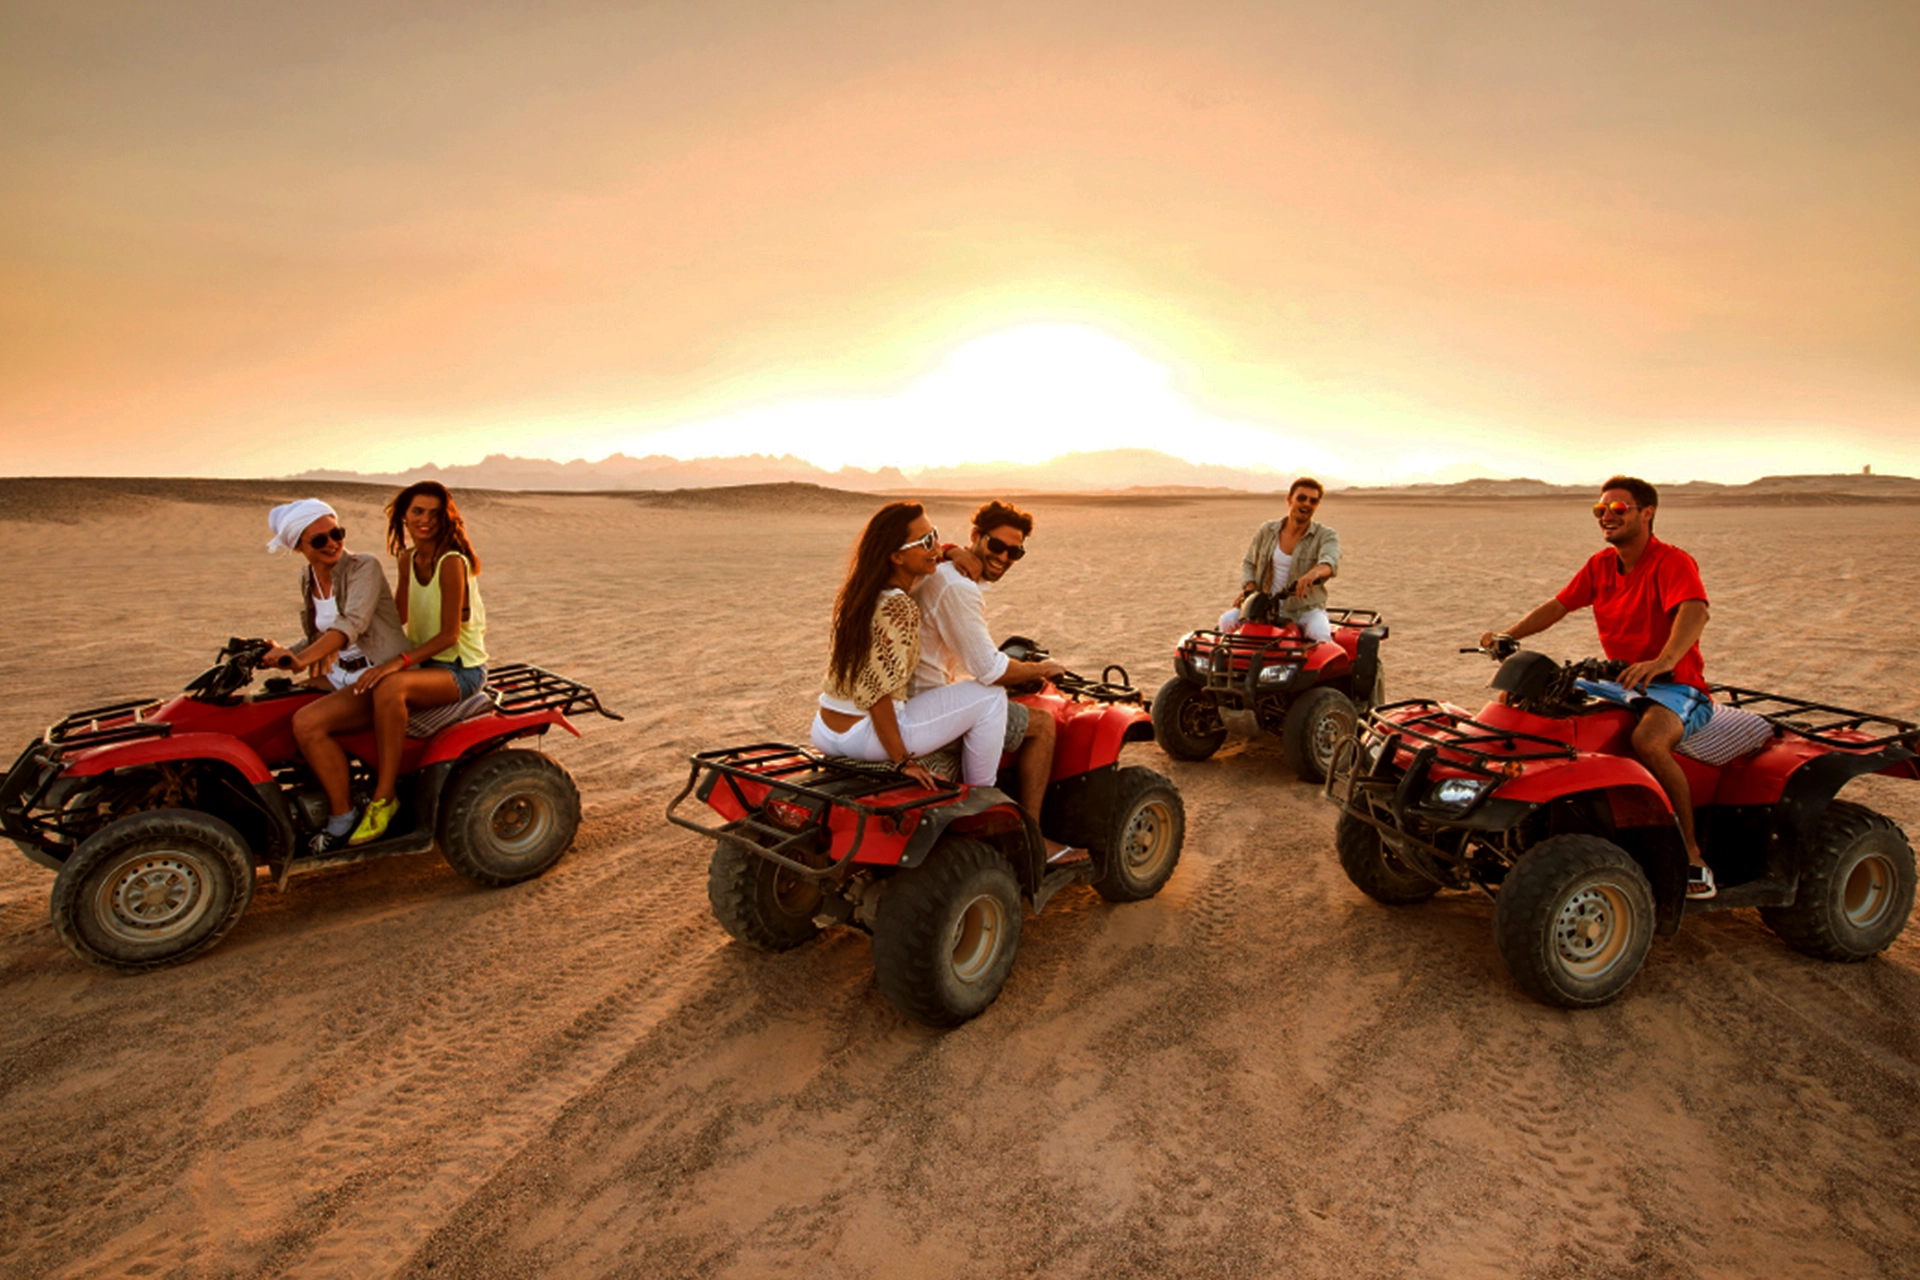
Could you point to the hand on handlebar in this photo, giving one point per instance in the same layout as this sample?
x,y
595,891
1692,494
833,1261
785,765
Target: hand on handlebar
x,y
1051,669
1497,645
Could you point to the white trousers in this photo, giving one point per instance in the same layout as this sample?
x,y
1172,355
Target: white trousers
x,y
1314,623
969,709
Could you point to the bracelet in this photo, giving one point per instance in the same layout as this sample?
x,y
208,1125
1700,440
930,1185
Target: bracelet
x,y
406,661
905,761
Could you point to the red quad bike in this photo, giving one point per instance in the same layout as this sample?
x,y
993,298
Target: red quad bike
x,y
156,814
1540,801
936,877
1308,692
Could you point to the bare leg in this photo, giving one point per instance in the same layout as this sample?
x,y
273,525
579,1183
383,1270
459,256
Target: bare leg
x,y
1654,739
313,728
391,700
1036,762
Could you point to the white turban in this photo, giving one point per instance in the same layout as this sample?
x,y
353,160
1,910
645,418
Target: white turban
x,y
290,519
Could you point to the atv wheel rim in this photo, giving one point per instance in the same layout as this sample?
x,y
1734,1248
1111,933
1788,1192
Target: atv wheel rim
x,y
1328,732
1592,931
1148,839
794,896
520,824
1197,718
1868,895
978,935
155,897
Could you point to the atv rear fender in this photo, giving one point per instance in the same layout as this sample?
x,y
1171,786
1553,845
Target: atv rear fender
x,y
457,740
1804,801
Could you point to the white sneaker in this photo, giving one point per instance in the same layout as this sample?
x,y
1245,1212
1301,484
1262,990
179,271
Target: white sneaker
x,y
1700,884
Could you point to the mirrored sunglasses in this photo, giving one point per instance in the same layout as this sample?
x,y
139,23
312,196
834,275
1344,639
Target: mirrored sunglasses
x,y
1618,508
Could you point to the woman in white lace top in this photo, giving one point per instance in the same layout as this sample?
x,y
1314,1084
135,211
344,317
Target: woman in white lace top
x,y
865,713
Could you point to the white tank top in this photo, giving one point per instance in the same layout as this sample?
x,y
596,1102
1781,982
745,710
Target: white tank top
x,y
1282,570
325,614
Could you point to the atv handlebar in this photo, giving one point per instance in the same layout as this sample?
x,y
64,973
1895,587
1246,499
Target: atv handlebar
x,y
1503,647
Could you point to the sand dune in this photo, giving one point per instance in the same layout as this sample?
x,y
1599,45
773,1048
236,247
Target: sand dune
x,y
1259,1073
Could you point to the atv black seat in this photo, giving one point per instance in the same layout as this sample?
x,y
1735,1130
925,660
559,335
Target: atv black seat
x,y
1837,727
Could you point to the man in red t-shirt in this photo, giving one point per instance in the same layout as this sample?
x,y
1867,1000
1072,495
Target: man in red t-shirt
x,y
1650,607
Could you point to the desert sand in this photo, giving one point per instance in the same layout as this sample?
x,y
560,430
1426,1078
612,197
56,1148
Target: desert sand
x,y
387,1071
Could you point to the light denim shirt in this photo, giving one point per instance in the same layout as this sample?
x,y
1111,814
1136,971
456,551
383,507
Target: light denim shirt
x,y
1318,545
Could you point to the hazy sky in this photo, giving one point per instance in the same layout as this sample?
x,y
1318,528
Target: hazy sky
x,y
1546,239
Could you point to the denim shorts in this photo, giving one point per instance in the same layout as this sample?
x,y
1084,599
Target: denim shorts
x,y
1692,705
469,679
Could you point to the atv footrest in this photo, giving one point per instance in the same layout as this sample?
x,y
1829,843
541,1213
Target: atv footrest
x,y
1754,893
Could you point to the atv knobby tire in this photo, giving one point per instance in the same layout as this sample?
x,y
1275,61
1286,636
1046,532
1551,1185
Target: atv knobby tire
x,y
1574,920
1143,839
759,901
947,933
1317,723
1186,724
1374,869
152,889
507,817
1856,888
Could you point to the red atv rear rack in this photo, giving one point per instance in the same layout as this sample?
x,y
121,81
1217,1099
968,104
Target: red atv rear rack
x,y
1846,730
808,784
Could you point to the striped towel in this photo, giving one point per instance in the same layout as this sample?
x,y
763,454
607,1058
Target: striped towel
x,y
1731,732
424,724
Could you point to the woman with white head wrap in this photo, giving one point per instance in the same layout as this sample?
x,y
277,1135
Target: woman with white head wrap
x,y
350,623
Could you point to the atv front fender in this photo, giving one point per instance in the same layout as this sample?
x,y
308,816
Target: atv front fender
x,y
1635,796
1092,739
179,748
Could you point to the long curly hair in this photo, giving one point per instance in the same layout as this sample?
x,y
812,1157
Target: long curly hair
x,y
867,575
453,530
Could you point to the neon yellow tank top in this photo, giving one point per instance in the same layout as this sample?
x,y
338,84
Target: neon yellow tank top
x,y
423,616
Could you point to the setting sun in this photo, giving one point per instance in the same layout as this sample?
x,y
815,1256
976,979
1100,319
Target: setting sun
x,y
1023,395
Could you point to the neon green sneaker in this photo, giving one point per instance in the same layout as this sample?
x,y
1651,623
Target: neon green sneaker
x,y
373,824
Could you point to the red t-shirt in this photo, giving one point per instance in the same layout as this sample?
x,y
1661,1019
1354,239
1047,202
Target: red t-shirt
x,y
1634,611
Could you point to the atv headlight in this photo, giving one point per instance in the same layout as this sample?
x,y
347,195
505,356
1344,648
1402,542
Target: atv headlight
x,y
1201,664
1275,675
1457,793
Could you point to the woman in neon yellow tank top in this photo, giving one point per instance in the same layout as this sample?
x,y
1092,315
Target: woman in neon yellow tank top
x,y
439,602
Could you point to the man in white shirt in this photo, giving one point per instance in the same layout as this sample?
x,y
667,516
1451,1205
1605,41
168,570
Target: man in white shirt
x,y
955,644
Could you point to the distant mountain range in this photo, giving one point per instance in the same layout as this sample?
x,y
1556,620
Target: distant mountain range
x,y
1849,487
1111,469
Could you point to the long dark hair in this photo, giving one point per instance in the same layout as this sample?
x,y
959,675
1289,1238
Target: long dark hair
x,y
453,530
867,574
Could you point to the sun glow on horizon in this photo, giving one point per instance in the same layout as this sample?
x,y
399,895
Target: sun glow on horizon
x,y
1023,395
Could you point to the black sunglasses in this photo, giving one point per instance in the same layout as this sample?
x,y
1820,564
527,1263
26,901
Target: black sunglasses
x,y
319,541
1011,551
